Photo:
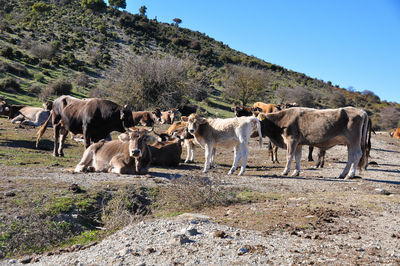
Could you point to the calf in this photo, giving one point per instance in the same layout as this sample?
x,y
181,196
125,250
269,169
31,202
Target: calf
x,y
180,129
33,116
128,155
266,107
168,117
228,132
294,127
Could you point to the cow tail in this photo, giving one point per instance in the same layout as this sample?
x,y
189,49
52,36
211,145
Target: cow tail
x,y
365,143
259,131
42,129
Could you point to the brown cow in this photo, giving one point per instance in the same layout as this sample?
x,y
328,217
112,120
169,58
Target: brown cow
x,y
294,127
146,118
395,133
168,117
166,153
241,110
94,118
180,129
128,155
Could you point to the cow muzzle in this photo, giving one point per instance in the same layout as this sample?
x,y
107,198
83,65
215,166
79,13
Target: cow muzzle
x,y
135,153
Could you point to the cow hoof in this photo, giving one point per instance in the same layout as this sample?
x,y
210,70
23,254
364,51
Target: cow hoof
x,y
285,173
296,173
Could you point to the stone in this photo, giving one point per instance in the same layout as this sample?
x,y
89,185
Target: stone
x,y
242,251
220,234
179,239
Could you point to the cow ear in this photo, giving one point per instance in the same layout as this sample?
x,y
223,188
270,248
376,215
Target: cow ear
x,y
184,118
123,137
201,120
151,140
261,117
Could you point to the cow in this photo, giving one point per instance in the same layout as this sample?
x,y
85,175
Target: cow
x,y
130,154
187,109
146,118
166,153
395,133
178,129
266,108
33,116
94,118
241,110
168,117
291,128
228,132
9,110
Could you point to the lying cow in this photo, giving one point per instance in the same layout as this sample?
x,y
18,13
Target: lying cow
x,y
166,153
146,118
130,154
294,127
178,129
94,118
187,109
9,110
228,132
33,116
395,133
168,117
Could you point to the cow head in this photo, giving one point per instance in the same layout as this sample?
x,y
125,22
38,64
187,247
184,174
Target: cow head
x,y
48,105
4,107
193,122
138,140
156,115
126,117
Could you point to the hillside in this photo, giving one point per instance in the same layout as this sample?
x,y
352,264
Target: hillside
x,y
48,46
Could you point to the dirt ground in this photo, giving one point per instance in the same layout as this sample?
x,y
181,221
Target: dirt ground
x,y
355,221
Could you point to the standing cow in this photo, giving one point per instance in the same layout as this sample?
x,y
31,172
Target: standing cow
x,y
294,127
227,132
94,118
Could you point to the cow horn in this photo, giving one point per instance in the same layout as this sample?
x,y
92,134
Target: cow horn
x,y
152,130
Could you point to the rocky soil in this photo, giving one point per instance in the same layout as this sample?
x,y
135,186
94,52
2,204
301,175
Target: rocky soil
x,y
311,219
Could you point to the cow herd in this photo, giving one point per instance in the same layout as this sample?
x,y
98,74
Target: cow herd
x,y
287,126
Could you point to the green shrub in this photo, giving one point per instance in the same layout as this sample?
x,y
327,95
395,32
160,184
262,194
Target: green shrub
x,y
9,85
60,87
39,77
7,52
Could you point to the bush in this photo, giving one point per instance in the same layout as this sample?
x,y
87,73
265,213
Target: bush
x,y
39,77
42,51
9,85
35,89
60,87
7,52
82,80
15,68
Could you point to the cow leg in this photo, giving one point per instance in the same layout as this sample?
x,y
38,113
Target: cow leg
x,y
321,158
270,151
18,119
207,157
189,151
290,151
212,163
244,154
297,157
310,151
275,154
236,157
355,155
56,137
63,135
86,161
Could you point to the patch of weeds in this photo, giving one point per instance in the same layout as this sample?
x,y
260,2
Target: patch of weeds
x,y
254,196
85,238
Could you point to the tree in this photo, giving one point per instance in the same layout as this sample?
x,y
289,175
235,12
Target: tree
x,y
177,21
143,10
117,3
245,84
299,95
96,5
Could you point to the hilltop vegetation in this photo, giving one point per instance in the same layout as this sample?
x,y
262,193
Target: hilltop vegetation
x,y
84,48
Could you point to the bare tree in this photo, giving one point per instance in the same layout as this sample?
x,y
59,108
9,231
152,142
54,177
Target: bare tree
x,y
300,95
245,84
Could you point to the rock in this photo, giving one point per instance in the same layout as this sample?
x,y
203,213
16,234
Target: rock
x,y
150,250
9,194
220,234
191,231
179,239
12,261
125,251
383,191
26,260
360,249
75,188
242,251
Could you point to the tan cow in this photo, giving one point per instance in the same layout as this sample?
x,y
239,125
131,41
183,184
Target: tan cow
x,y
168,117
395,133
294,127
227,132
33,116
128,155
266,107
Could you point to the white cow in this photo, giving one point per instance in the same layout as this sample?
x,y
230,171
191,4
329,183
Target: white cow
x,y
227,132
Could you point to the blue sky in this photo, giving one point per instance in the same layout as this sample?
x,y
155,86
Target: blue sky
x,y
352,43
